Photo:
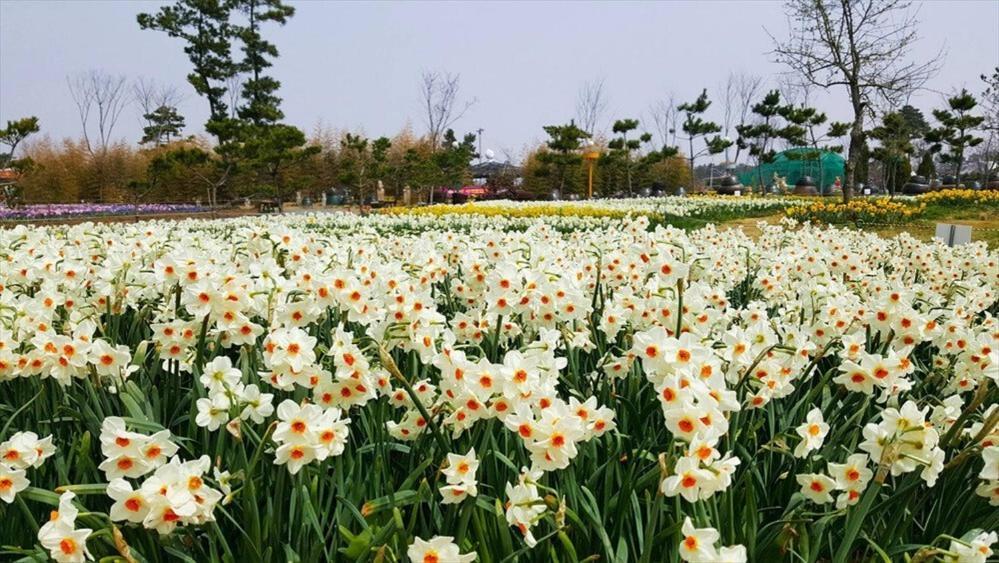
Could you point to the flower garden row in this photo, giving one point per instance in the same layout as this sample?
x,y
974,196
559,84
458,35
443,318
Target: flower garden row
x,y
550,388
677,210
71,210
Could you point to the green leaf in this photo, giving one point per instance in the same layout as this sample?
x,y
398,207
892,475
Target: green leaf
x,y
388,502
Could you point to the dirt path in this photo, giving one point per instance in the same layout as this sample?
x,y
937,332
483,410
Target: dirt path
x,y
749,224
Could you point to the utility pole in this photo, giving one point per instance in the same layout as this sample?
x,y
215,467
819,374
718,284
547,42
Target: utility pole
x,y
479,131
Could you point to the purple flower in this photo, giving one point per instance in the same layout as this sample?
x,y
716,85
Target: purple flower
x,y
66,210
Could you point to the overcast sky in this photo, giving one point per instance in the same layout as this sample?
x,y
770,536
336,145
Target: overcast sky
x,y
357,65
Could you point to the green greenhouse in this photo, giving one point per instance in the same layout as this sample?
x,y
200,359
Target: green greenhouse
x,y
823,166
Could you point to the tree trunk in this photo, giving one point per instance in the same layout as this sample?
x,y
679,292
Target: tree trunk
x,y
693,179
628,169
960,162
856,151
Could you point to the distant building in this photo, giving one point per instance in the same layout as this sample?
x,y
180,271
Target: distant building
x,y
483,172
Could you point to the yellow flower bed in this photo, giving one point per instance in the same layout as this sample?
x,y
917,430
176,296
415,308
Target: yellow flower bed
x,y
962,197
868,210
527,211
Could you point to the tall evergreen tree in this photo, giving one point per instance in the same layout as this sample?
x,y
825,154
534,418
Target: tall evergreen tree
x,y
956,130
758,137
452,157
261,106
894,136
564,142
164,122
12,136
205,28
623,146
269,146
927,169
696,127
915,121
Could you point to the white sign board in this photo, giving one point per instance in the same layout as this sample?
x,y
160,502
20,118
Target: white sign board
x,y
738,193
953,235
867,191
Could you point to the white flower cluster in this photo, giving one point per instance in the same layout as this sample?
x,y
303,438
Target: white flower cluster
x,y
695,398
175,494
63,357
520,392
905,442
850,477
226,393
460,477
308,433
66,543
524,505
22,451
131,454
438,549
977,550
698,546
173,491
493,315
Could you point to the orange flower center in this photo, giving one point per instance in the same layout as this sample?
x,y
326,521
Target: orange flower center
x,y
67,546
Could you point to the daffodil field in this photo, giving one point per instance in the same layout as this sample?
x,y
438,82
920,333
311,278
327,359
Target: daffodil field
x,y
495,387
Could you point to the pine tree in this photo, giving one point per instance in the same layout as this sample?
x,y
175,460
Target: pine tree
x,y
262,106
563,145
204,26
12,136
269,147
452,157
957,125
623,146
164,123
695,127
927,169
895,138
758,137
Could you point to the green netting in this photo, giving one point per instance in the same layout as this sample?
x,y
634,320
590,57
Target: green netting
x,y
792,164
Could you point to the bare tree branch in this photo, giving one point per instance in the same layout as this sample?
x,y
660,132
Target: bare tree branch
x,y
150,95
100,99
665,117
747,88
102,96
439,96
591,105
234,93
862,45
